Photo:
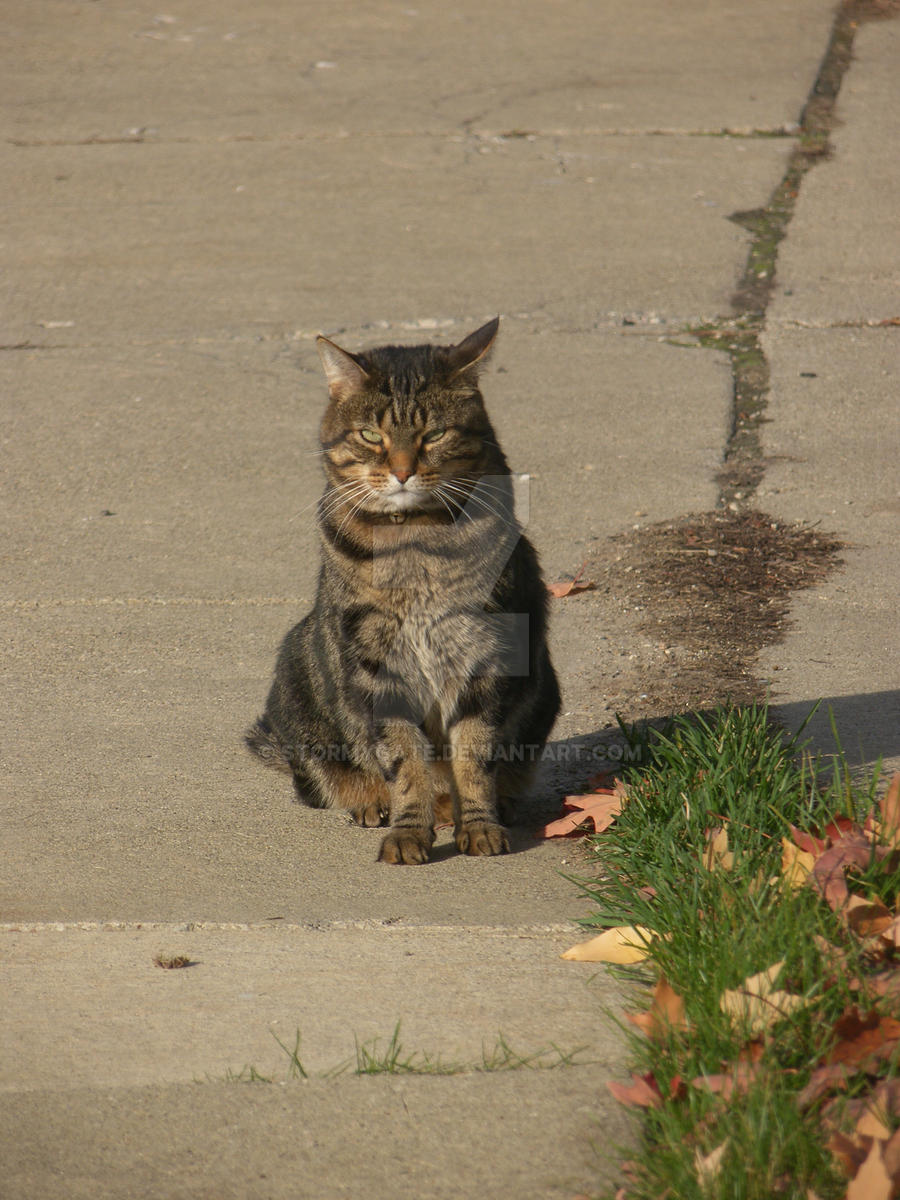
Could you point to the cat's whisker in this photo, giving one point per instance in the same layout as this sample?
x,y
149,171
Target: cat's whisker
x,y
332,501
437,492
472,497
352,513
341,487
460,510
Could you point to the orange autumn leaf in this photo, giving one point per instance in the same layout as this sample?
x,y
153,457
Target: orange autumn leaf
x,y
889,830
867,917
586,814
567,587
666,1011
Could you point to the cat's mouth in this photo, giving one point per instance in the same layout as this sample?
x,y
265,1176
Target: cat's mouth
x,y
395,496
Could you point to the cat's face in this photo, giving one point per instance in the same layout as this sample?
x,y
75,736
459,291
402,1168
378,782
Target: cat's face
x,y
406,430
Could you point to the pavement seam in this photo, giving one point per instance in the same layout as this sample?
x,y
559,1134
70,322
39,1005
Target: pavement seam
x,y
277,925
495,135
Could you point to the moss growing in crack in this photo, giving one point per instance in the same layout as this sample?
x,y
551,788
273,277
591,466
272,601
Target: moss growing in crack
x,y
739,335
743,467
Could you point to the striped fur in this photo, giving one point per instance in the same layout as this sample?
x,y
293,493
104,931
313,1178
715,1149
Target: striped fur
x,y
421,681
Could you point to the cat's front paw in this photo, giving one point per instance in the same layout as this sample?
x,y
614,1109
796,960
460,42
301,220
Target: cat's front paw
x,y
371,814
409,846
482,837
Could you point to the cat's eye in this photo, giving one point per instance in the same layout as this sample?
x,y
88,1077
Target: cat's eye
x,y
372,436
433,435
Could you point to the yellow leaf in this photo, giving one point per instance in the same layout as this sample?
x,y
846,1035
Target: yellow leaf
x,y
872,1181
757,1004
623,944
870,1124
796,864
716,852
709,1165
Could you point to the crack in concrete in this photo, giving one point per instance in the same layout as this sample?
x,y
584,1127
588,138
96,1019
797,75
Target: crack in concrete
x,y
739,335
743,133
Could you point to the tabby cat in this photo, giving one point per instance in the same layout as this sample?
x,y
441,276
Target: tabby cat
x,y
420,684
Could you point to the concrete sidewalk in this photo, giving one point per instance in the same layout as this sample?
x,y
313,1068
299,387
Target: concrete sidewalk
x,y
192,195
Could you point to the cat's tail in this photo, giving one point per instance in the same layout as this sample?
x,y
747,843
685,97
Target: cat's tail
x,y
262,739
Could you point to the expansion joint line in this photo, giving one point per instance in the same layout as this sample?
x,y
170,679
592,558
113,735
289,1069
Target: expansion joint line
x,y
739,334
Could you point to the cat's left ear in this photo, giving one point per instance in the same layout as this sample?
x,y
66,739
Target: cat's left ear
x,y
343,371
472,349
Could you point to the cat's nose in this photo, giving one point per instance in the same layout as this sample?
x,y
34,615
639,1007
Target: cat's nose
x,y
401,473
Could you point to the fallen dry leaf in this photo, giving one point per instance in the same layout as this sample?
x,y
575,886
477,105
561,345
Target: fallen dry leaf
x,y
727,1085
891,1155
757,1004
642,1092
890,935
666,1011
815,843
832,1078
889,828
716,852
847,1151
871,1181
870,1124
567,587
796,864
591,813
852,850
621,944
867,917
709,1165
864,1039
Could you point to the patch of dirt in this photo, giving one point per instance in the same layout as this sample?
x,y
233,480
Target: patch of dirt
x,y
711,589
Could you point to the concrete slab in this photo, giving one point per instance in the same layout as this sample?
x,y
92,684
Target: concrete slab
x,y
128,793
189,201
841,261
294,69
143,641
186,475
831,444
149,244
74,996
538,1136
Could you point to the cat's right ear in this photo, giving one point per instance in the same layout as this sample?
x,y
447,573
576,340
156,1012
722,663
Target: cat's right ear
x,y
342,370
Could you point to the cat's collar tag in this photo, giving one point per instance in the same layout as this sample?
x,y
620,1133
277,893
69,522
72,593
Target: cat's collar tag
x,y
398,518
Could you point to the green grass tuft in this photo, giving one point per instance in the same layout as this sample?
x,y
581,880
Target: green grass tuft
x,y
730,769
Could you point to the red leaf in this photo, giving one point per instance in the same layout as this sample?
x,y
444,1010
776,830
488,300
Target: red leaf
x,y
642,1092
864,1039
725,1085
853,850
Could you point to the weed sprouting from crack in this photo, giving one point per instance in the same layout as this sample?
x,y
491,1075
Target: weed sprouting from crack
x,y
375,1058
296,1070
